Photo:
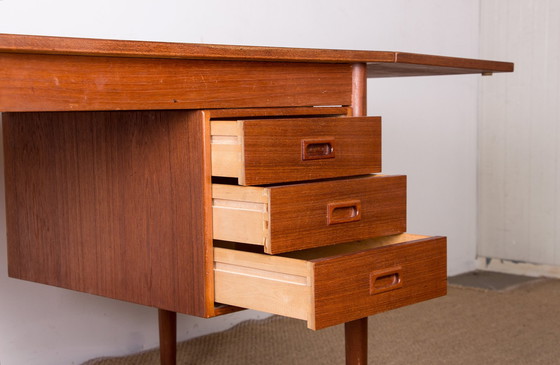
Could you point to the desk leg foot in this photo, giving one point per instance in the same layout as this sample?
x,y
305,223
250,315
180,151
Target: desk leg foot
x,y
356,338
167,337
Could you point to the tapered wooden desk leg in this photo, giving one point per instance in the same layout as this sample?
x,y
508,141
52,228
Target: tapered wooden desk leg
x,y
356,332
167,337
356,337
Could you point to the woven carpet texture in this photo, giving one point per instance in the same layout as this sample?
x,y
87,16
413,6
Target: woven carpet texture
x,y
468,326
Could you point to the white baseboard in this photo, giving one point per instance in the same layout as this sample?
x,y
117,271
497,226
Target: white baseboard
x,y
517,268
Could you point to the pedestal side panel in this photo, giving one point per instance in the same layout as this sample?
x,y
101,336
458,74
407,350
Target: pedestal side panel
x,y
109,203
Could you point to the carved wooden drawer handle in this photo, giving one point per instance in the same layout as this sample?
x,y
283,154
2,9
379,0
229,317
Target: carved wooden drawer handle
x,y
317,149
385,280
344,212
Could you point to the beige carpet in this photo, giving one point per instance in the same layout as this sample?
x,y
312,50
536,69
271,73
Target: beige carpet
x,y
468,326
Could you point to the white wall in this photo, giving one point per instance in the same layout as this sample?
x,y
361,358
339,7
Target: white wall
x,y
429,134
519,133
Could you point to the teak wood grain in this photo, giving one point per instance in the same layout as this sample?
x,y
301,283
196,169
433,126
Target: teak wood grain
x,y
118,48
296,216
284,150
59,74
30,82
12,43
331,285
298,213
339,281
110,203
225,141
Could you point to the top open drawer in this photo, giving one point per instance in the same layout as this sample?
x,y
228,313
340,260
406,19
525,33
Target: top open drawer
x,y
269,151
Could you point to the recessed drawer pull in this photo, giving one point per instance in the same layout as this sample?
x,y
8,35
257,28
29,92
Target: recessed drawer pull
x,y
317,148
385,280
344,212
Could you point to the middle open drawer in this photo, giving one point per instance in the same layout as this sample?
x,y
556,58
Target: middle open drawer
x,y
298,216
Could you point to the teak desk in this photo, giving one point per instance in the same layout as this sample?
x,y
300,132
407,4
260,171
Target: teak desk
x,y
202,179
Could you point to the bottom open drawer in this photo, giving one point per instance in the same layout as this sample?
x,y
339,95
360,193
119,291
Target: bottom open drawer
x,y
335,284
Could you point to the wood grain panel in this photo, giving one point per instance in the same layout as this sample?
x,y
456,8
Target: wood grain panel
x,y
30,82
346,279
298,213
272,149
109,203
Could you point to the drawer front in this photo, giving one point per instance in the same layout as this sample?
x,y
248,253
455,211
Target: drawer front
x,y
300,216
325,213
270,151
336,284
355,286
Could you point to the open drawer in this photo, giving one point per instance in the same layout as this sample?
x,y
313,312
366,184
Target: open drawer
x,y
285,218
270,151
335,284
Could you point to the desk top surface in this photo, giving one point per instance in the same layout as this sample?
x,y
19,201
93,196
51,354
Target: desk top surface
x,y
380,63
